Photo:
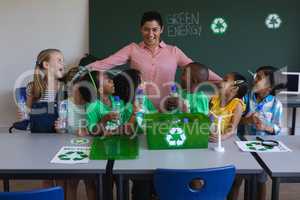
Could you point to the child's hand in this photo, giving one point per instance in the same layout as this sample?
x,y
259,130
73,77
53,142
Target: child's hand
x,y
82,132
260,125
135,108
250,118
57,125
20,115
128,129
213,137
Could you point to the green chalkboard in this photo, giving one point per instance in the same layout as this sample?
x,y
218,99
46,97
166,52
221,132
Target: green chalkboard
x,y
253,36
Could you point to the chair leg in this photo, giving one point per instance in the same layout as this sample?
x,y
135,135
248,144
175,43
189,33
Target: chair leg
x,y
5,185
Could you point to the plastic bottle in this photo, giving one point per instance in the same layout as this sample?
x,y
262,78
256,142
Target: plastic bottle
x,y
117,109
174,92
23,108
63,116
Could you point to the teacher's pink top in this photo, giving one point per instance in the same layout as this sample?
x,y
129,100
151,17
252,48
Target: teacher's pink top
x,y
157,69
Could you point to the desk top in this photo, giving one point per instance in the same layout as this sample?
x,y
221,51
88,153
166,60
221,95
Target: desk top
x,y
289,100
32,153
149,160
284,164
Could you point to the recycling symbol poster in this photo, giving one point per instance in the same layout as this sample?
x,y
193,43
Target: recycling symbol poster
x,y
176,137
72,155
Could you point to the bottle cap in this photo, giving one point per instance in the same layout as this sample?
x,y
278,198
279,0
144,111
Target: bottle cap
x,y
139,91
117,98
174,88
185,120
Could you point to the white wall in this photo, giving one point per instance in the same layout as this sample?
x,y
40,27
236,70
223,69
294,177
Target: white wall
x,y
27,27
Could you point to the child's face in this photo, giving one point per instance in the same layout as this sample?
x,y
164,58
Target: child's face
x,y
191,76
55,65
261,83
107,85
227,85
78,100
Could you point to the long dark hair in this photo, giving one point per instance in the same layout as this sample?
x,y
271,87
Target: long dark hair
x,y
126,83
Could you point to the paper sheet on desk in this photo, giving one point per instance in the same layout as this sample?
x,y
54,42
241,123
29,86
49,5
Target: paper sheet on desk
x,y
255,146
72,155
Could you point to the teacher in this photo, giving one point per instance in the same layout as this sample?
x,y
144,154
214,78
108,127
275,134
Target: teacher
x,y
156,60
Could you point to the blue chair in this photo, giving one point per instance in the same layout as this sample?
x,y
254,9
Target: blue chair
x,y
55,193
172,184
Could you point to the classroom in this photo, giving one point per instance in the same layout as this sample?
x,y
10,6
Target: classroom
x,y
137,99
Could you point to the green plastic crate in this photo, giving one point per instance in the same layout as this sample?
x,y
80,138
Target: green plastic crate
x,y
114,148
177,131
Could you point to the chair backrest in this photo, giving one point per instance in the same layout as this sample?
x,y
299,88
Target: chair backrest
x,y
171,184
55,193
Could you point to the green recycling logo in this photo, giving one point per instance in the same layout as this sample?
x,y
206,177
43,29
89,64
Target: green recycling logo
x,y
256,146
273,21
79,141
73,155
111,125
219,26
176,137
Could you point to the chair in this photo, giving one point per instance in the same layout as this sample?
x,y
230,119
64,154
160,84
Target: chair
x,y
55,193
172,184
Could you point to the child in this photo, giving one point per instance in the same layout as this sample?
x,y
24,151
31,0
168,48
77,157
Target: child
x,y
81,93
129,86
191,99
262,117
101,118
44,91
263,109
229,105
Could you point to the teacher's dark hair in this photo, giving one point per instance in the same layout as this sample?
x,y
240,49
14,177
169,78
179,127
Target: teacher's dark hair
x,y
150,16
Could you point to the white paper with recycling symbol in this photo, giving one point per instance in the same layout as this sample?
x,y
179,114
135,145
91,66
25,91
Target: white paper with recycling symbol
x,y
72,155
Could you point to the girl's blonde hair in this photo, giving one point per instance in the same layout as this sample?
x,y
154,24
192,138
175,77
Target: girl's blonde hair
x,y
40,83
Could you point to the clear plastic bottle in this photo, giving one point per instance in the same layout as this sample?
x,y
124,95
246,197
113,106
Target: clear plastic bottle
x,y
63,116
188,106
117,109
174,92
139,103
139,100
23,108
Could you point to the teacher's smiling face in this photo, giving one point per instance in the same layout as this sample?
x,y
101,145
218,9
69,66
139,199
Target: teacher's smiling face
x,y
151,28
151,31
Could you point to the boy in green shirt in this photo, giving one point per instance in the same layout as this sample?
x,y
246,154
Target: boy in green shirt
x,y
190,99
130,87
108,114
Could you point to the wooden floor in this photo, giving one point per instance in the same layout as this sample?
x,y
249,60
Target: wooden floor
x,y
287,191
